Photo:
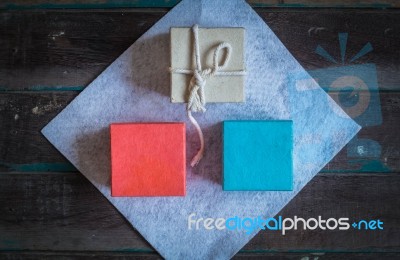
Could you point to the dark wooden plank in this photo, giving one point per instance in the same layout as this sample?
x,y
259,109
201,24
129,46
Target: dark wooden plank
x,y
319,256
23,148
24,4
120,256
42,49
61,212
22,116
82,4
340,3
56,255
64,212
302,31
64,49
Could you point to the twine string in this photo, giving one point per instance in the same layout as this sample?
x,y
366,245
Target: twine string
x,y
197,100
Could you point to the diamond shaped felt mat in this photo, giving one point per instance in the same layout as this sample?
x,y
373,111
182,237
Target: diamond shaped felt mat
x,y
136,88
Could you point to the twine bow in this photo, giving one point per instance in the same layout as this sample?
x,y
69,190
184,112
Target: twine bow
x,y
197,100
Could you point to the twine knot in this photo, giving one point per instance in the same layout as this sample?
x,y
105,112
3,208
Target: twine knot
x,y
197,101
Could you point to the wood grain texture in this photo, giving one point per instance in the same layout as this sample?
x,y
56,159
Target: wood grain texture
x,y
42,50
61,212
102,255
24,148
302,31
64,212
33,255
24,4
338,3
22,116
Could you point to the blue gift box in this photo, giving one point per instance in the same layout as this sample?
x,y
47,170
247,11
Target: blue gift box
x,y
257,155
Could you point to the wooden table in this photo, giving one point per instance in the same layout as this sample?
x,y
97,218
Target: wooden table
x,y
49,210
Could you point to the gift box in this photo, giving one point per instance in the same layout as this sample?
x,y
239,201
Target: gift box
x,y
221,65
257,155
148,159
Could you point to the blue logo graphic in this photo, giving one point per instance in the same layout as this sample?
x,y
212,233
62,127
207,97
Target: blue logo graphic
x,y
343,44
355,89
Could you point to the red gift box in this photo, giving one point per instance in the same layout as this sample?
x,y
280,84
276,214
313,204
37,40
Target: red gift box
x,y
148,159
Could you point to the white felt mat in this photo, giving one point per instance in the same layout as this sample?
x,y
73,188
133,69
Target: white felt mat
x,y
136,88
